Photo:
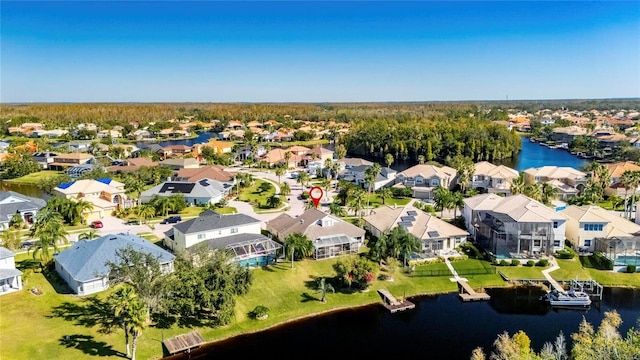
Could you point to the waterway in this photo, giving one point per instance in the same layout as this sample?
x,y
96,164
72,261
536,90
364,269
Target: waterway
x,y
440,327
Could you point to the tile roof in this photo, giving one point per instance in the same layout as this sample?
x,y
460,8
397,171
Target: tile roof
x,y
520,208
616,225
90,186
427,171
211,220
308,223
86,260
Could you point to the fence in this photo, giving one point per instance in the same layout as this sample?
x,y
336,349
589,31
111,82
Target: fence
x,y
446,272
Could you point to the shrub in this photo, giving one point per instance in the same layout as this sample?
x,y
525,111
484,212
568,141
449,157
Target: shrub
x,y
602,262
631,268
504,262
383,277
260,312
530,263
565,254
515,262
543,263
304,195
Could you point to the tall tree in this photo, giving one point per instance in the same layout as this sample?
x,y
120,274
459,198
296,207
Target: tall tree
x,y
388,159
323,287
49,229
297,245
517,185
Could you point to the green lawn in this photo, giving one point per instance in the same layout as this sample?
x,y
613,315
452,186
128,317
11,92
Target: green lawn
x,y
286,292
34,178
253,195
376,201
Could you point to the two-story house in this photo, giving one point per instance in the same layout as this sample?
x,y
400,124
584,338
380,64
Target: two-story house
x,y
204,191
62,162
587,223
493,178
10,277
615,171
423,179
105,195
568,181
435,235
514,226
238,233
330,235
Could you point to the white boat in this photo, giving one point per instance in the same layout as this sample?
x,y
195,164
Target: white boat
x,y
567,298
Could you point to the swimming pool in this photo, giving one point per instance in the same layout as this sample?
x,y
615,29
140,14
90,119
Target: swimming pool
x,y
627,260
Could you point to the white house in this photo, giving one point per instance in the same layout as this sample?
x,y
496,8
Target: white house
x,y
10,277
586,223
423,179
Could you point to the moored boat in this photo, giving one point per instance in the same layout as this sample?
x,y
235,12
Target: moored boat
x,y
567,298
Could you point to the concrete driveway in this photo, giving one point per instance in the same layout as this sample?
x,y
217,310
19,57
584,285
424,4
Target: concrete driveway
x,y
114,225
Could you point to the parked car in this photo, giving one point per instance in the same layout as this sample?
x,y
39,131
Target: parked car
x,y
97,224
26,245
133,222
172,220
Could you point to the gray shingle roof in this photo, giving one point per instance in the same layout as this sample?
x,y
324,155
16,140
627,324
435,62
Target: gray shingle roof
x,y
222,242
5,253
210,220
7,210
86,260
9,273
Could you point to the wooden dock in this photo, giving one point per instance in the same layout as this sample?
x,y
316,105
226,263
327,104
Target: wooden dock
x,y
393,304
468,294
183,343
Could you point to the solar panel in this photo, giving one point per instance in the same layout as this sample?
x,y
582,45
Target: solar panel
x,y
407,218
412,213
66,185
405,223
433,233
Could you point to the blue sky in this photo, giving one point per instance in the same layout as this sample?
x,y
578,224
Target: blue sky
x,y
299,51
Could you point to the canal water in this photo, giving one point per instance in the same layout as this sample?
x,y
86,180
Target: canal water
x,y
440,327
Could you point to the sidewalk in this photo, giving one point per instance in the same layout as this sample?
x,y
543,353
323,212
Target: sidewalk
x,y
554,266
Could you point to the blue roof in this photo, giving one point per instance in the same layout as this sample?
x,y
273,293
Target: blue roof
x,y
66,185
86,260
105,181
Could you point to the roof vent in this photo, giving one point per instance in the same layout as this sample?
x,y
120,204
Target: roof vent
x,y
301,221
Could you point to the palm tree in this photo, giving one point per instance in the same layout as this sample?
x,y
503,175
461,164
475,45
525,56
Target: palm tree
x,y
328,164
88,235
517,185
626,179
457,201
285,189
78,209
370,178
145,212
326,184
442,198
635,182
533,191
137,322
355,203
322,288
121,303
287,157
388,159
279,172
385,193
303,178
404,243
49,230
549,192
10,238
337,210
274,201
297,243
162,204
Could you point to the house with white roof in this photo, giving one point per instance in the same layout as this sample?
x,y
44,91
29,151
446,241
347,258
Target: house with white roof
x,y
104,194
12,203
10,277
84,265
423,179
238,233
589,222
493,178
514,226
204,191
330,235
567,180
436,236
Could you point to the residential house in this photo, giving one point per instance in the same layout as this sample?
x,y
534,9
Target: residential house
x,y
175,151
80,169
357,175
423,179
436,236
330,235
62,162
76,146
590,222
84,267
278,156
213,172
493,178
237,232
105,195
127,149
25,129
141,134
10,277
132,164
348,163
568,134
55,133
616,170
113,133
155,148
12,203
177,164
567,180
44,158
514,226
246,152
205,191
321,153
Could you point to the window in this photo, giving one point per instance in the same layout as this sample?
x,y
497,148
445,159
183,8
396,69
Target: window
x,y
234,230
536,242
556,243
587,243
200,236
593,227
555,224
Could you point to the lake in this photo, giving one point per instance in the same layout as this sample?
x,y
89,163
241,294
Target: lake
x,y
536,155
440,327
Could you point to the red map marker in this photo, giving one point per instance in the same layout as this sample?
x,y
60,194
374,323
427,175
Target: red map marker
x,y
316,194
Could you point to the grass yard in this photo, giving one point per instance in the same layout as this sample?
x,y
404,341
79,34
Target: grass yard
x,y
254,196
376,201
288,293
34,178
